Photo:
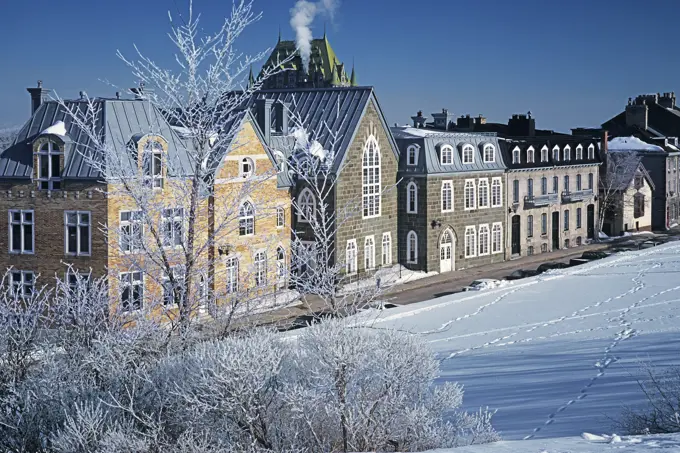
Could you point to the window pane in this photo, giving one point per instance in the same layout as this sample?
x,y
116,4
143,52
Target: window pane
x,y
72,245
56,170
28,216
84,239
43,166
28,238
16,237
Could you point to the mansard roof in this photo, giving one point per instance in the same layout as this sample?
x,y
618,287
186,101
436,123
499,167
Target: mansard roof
x,y
508,145
430,143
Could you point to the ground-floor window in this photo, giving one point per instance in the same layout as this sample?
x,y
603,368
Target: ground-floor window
x,y
470,241
544,248
578,240
386,249
412,247
351,257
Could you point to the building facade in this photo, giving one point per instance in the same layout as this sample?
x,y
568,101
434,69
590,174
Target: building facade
x,y
552,193
451,197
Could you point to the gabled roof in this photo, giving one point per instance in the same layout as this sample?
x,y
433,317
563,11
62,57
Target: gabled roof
x,y
118,121
626,173
429,144
327,113
665,120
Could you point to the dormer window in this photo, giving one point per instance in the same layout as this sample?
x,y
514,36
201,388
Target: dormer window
x,y
544,154
468,154
530,155
152,163
579,152
556,154
412,155
49,166
591,151
247,168
515,155
567,153
446,155
489,153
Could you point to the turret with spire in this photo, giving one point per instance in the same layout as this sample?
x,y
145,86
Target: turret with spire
x,y
353,77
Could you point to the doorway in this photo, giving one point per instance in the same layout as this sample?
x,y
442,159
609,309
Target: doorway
x,y
556,230
515,235
591,221
446,252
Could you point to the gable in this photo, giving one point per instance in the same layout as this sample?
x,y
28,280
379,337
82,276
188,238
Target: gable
x,y
247,142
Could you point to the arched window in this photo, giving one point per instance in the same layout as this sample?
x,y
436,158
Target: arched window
x,y
489,153
412,155
152,163
351,257
412,247
496,238
556,154
469,192
280,263
591,151
247,167
579,152
246,219
446,155
371,179
470,242
468,154
260,264
49,166
232,275
530,155
483,193
306,206
567,153
386,249
484,238
447,196
544,154
280,217
496,192
516,155
412,198
369,252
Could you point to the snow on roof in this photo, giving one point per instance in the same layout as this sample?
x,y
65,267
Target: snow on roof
x,y
419,132
631,144
58,128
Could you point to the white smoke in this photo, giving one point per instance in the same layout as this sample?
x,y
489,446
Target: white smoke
x,y
302,16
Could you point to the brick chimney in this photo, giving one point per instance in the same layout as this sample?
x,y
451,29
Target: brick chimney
x,y
637,112
419,120
38,96
667,100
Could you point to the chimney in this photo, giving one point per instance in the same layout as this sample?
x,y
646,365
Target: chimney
x,y
263,113
419,120
464,123
443,119
281,117
522,126
117,94
138,91
637,114
604,148
667,100
38,96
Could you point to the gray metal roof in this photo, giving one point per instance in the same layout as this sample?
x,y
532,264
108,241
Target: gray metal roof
x,y
430,143
327,112
119,121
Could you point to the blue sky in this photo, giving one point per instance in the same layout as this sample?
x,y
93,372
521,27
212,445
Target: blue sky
x,y
571,63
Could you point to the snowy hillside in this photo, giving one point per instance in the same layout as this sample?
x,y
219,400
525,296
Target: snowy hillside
x,y
557,355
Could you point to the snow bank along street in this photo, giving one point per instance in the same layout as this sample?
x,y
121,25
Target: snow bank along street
x,y
557,355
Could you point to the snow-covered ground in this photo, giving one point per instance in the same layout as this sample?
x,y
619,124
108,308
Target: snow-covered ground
x,y
389,276
557,355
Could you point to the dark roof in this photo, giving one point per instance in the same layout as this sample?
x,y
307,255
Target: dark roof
x,y
508,145
664,120
119,121
328,114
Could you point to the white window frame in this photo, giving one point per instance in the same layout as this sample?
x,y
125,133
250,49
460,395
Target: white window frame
x,y
246,219
470,241
469,193
412,151
280,217
22,223
78,225
468,154
544,153
171,218
492,152
447,186
24,286
386,249
351,257
412,247
371,187
516,155
556,153
232,278
152,154
260,268
496,233
179,274
133,282
579,152
446,154
498,180
242,171
412,208
530,155
135,241
591,151
48,153
484,240
566,153
369,252
483,184
306,205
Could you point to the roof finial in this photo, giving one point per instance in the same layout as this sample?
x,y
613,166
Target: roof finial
x,y
279,33
251,79
324,30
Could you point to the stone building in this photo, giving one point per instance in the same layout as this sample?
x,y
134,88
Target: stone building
x,y
551,192
451,197
325,70
349,123
57,202
655,119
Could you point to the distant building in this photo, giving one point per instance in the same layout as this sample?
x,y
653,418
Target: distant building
x,y
325,69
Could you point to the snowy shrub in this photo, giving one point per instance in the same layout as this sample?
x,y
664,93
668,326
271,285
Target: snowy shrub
x,y
662,415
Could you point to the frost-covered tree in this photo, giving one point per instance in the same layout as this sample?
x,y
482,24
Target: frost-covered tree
x,y
7,136
615,177
202,97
